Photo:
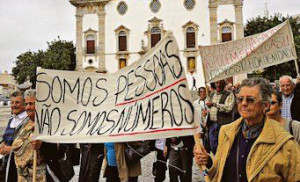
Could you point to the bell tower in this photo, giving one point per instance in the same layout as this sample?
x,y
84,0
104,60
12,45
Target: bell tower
x,y
90,44
213,18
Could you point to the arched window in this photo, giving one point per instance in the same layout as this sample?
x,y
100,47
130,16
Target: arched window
x,y
226,34
190,38
90,44
122,41
155,36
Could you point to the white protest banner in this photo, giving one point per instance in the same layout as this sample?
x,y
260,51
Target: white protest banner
x,y
146,100
254,52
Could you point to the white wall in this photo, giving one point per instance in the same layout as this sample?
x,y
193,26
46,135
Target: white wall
x,y
174,16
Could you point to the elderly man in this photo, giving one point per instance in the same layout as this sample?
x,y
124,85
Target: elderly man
x,y
287,88
253,148
19,117
221,105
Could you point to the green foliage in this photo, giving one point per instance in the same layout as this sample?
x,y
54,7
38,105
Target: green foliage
x,y
261,24
60,55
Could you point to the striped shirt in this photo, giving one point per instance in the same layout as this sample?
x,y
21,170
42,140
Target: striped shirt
x,y
286,106
226,107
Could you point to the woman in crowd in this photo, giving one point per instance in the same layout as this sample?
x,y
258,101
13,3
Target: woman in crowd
x,y
117,169
291,126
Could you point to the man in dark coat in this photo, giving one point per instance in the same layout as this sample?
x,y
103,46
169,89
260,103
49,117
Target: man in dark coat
x,y
91,162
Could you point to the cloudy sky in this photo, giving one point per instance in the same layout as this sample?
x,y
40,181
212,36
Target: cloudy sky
x,y
29,24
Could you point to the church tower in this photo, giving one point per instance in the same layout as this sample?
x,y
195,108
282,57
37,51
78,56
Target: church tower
x,y
90,44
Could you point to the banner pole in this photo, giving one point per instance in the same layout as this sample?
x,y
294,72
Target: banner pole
x,y
35,134
297,68
198,144
34,165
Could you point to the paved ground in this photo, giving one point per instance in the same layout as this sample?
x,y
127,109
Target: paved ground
x,y
146,161
4,116
147,171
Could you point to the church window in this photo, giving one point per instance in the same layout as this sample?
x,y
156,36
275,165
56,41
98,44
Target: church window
x,y
122,8
226,34
122,41
155,6
190,38
189,4
155,36
90,44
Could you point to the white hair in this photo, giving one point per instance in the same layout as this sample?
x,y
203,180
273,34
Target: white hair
x,y
286,77
29,93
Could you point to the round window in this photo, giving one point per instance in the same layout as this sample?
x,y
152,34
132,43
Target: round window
x,y
155,6
189,4
90,61
122,8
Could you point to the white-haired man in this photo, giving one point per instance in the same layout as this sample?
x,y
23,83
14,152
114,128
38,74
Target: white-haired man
x,y
287,87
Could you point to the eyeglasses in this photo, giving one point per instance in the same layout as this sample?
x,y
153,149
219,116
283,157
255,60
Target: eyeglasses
x,y
287,86
274,102
249,100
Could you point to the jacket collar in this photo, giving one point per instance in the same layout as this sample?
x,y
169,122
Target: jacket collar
x,y
267,134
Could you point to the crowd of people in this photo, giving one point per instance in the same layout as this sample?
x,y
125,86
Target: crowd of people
x,y
250,132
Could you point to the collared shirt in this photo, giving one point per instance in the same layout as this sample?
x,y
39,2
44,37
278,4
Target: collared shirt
x,y
199,105
286,106
226,107
250,132
17,119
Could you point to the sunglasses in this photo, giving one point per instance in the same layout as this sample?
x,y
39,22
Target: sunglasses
x,y
274,102
249,100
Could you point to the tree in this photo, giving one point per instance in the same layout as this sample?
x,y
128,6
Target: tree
x,y
60,55
261,24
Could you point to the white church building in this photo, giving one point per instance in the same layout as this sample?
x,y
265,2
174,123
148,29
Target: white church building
x,y
111,34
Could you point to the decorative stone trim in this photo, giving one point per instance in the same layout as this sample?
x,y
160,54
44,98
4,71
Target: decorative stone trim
x,y
87,33
90,69
224,24
154,22
117,32
185,28
226,2
125,55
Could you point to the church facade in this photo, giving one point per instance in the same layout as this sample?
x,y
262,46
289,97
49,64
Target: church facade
x,y
112,34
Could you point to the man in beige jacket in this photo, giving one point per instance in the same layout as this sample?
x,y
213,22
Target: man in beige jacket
x,y
253,148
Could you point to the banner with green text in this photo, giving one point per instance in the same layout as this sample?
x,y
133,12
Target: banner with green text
x,y
254,52
147,100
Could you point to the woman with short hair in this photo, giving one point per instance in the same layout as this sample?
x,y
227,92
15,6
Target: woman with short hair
x,y
292,126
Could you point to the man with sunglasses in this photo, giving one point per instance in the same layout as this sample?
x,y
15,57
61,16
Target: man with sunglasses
x,y
221,103
253,148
